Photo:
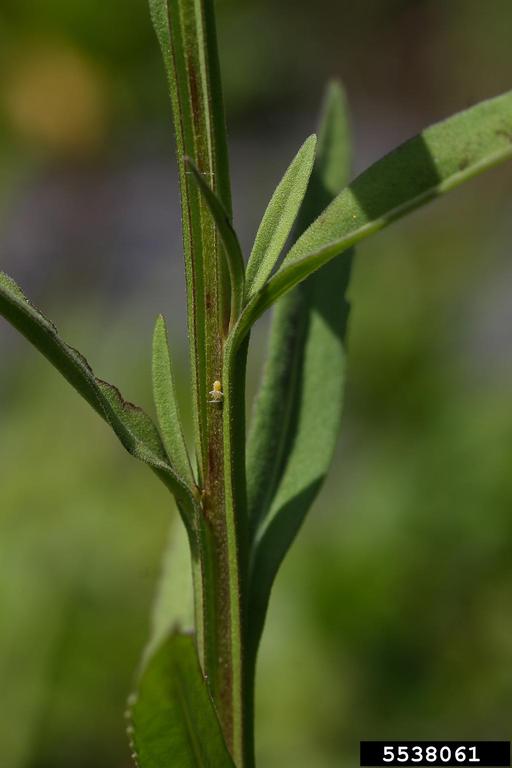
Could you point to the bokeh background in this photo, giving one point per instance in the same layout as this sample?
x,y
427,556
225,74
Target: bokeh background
x,y
392,616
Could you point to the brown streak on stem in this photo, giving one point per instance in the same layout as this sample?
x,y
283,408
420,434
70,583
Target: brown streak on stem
x,y
195,101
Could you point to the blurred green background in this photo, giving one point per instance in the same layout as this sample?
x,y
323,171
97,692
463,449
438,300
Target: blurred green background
x,y
391,618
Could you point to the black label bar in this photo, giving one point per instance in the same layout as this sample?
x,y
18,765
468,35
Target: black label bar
x,y
479,754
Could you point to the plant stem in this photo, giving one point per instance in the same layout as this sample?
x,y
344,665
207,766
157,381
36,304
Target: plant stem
x,y
186,29
237,540
224,558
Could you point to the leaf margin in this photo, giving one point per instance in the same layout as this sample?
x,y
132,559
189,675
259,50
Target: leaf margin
x,y
133,427
166,403
279,217
301,262
174,671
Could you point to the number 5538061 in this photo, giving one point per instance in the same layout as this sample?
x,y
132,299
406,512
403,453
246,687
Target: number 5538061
x,y
431,754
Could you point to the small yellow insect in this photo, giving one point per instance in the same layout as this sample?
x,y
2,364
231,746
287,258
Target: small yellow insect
x,y
216,394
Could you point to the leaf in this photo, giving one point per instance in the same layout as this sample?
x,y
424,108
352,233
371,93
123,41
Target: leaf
x,y
132,426
232,249
334,163
279,218
166,403
434,162
174,724
297,413
267,445
173,609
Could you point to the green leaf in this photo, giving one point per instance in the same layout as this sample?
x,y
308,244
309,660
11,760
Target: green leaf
x,y
132,426
166,403
178,606
279,218
173,718
173,609
334,164
434,162
297,412
232,249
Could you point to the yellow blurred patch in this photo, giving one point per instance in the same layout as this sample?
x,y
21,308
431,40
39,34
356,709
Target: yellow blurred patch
x,y
55,98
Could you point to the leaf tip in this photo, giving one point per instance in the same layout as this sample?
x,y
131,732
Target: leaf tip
x,y
159,332
335,101
335,90
309,146
160,324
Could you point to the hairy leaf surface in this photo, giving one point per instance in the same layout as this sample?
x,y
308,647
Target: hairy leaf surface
x,y
297,412
232,249
132,426
173,719
279,218
166,403
434,162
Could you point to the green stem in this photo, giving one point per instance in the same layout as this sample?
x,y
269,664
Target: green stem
x,y
186,30
237,539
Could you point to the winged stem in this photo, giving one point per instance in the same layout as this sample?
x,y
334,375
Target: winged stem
x,y
186,30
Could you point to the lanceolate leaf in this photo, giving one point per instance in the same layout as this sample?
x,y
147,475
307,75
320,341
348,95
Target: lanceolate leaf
x,y
270,424
232,249
173,719
279,218
297,414
166,403
133,427
334,164
436,161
